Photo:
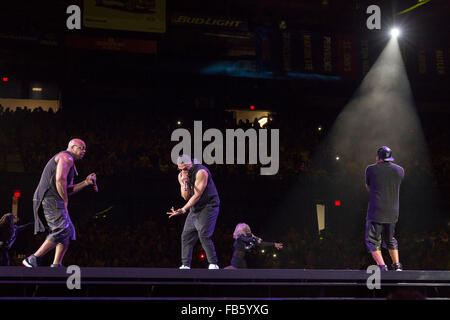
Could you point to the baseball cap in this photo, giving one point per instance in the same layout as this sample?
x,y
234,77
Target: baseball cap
x,y
385,154
184,159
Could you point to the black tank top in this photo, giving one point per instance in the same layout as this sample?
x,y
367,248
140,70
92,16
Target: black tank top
x,y
209,196
47,184
47,188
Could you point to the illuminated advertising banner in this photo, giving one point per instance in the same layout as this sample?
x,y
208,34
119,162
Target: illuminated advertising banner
x,y
208,22
348,63
127,15
429,61
309,52
441,57
111,44
210,36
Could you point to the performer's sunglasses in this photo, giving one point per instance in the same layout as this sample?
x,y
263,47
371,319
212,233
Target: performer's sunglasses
x,y
81,148
184,169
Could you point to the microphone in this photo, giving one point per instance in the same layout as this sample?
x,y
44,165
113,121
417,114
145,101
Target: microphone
x,y
95,185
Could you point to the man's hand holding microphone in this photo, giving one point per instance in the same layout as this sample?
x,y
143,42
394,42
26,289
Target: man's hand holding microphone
x,y
183,177
92,179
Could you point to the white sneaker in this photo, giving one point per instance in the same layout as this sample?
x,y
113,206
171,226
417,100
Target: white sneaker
x,y
184,267
213,266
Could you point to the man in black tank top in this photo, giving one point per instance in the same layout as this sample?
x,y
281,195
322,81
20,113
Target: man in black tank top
x,y
197,187
55,185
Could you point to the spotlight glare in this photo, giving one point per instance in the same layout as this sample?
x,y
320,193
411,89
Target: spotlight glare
x,y
395,32
263,121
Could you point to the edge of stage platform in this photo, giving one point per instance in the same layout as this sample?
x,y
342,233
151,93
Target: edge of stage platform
x,y
112,283
224,274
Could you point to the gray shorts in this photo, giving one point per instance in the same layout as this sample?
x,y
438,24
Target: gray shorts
x,y
58,221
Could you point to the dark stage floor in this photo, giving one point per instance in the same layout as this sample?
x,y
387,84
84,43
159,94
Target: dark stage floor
x,y
201,284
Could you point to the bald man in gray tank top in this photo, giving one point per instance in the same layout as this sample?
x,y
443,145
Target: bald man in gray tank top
x,y
52,193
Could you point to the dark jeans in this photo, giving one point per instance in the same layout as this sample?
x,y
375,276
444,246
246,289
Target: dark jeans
x,y
58,220
199,225
378,234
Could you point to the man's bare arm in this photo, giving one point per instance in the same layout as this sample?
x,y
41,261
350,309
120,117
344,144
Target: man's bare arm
x,y
71,189
65,162
201,180
75,188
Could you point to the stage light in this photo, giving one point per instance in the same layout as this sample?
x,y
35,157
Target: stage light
x,y
337,203
262,251
36,89
263,121
5,79
179,123
252,107
337,158
17,194
319,128
202,256
395,32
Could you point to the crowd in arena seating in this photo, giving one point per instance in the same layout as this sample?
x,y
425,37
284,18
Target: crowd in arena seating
x,y
154,245
122,143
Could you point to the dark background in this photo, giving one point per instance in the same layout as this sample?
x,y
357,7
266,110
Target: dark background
x,y
125,105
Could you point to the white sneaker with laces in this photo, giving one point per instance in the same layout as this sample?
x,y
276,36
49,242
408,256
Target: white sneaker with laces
x,y
184,267
213,266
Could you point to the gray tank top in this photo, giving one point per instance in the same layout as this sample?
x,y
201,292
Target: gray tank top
x,y
47,188
47,184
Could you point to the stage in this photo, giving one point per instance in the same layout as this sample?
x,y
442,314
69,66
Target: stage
x,y
45,283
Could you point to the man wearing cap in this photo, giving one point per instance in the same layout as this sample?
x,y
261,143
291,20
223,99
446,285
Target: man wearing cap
x,y
383,181
197,187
